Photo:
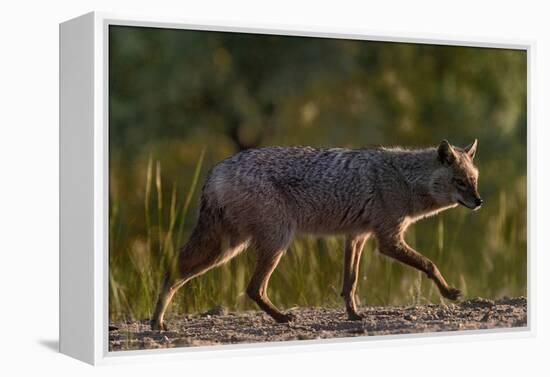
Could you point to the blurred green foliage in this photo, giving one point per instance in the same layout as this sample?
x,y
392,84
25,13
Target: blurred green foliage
x,y
177,93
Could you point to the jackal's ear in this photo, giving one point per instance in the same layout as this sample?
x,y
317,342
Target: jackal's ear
x,y
471,149
446,153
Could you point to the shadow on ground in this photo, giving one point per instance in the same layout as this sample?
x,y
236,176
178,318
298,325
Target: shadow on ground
x,y
52,345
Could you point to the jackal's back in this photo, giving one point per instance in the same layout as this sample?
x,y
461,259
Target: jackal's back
x,y
315,190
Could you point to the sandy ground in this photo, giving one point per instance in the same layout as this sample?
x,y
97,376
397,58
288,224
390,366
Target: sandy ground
x,y
217,326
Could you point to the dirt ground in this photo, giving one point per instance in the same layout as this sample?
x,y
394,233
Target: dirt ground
x,y
217,326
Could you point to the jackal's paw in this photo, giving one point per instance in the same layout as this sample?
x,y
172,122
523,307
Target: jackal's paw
x,y
285,318
452,294
354,316
158,326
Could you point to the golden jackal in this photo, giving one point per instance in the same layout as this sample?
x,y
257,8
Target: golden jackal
x,y
263,197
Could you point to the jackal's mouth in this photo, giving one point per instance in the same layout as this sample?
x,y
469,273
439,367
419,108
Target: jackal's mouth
x,y
474,207
464,204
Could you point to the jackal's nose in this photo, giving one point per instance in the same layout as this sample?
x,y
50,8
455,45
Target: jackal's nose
x,y
479,202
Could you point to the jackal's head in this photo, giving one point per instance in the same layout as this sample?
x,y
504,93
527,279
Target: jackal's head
x,y
455,180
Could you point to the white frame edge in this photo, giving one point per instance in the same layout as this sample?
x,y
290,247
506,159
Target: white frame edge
x,y
76,188
84,164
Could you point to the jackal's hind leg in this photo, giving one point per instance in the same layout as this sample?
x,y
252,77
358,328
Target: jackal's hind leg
x,y
257,288
167,292
353,249
194,259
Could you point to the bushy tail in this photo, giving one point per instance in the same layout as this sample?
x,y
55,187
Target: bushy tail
x,y
212,243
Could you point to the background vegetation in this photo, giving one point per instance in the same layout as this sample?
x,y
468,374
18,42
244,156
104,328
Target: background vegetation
x,y
180,101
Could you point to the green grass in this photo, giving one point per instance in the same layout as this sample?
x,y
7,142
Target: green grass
x,y
482,253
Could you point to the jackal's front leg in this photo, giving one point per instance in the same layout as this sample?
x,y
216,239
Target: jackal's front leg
x,y
353,248
398,249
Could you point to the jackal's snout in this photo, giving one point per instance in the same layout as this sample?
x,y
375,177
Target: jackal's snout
x,y
473,205
478,202
471,200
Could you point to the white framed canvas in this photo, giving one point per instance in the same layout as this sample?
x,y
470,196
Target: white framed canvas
x,y
243,189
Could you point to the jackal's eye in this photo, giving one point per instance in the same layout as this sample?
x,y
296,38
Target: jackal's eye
x,y
459,182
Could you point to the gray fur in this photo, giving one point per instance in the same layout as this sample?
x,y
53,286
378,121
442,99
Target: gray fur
x,y
264,197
